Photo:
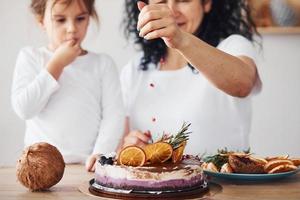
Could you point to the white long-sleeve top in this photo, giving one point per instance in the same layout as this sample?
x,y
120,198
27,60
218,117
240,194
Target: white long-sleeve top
x,y
160,101
80,113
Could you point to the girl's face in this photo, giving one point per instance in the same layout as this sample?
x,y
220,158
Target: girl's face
x,y
188,13
65,22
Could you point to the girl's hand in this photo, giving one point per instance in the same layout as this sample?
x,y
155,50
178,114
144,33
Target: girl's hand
x,y
137,138
157,21
66,53
63,55
90,164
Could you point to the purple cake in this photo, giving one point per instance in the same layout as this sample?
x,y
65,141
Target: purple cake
x,y
164,177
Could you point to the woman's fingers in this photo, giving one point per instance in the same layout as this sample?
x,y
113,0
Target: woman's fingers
x,y
136,138
94,167
157,21
141,136
151,15
90,162
152,12
147,8
165,34
155,25
133,141
141,5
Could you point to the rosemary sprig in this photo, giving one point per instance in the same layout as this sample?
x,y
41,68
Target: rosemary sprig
x,y
181,136
218,159
221,157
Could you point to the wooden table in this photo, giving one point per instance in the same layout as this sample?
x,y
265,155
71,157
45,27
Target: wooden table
x,y
75,175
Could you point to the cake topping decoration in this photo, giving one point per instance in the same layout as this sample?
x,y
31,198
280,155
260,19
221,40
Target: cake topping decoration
x,y
158,152
177,140
169,147
106,161
178,153
132,156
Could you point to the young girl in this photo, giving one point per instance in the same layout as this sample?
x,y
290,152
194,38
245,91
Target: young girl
x,y
198,65
69,97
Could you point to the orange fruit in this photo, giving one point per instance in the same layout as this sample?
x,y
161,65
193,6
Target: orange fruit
x,y
132,156
158,152
178,153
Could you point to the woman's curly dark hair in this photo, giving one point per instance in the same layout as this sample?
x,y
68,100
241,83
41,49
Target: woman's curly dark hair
x,y
226,17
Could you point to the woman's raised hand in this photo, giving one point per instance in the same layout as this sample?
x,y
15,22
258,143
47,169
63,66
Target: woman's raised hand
x,y
158,21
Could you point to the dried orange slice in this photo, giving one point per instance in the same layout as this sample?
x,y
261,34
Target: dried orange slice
x,y
158,152
178,153
283,157
132,156
296,161
283,168
274,163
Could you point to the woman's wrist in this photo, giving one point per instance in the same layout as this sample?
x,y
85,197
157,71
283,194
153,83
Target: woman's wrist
x,y
183,42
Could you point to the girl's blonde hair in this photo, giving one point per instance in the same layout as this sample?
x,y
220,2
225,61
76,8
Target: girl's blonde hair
x,y
38,7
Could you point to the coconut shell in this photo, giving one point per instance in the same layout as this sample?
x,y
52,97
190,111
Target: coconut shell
x,y
40,167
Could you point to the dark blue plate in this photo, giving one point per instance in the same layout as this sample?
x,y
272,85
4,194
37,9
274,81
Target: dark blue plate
x,y
250,177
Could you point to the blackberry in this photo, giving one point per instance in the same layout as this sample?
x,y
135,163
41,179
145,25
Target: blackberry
x,y
102,160
109,161
106,161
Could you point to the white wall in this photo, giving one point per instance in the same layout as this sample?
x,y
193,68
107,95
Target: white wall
x,y
276,123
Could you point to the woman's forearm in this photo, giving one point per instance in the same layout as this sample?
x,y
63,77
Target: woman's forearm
x,y
233,75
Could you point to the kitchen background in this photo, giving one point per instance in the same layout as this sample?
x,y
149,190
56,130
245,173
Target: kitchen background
x,y
276,110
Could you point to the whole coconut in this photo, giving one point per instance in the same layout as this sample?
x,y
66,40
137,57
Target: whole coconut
x,y
40,167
